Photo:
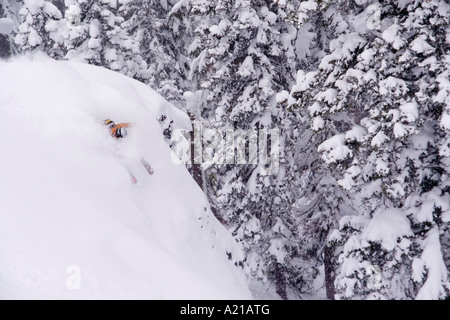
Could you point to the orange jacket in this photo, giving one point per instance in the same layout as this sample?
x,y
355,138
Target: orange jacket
x,y
113,129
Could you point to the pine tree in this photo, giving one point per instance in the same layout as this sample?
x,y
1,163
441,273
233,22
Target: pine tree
x,y
162,35
442,98
370,110
243,55
40,28
431,213
319,202
97,34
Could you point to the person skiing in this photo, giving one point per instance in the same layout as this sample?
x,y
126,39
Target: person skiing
x,y
117,130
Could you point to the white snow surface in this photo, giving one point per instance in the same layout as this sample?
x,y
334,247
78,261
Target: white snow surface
x,y
72,225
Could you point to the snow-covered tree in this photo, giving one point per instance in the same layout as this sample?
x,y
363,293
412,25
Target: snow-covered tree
x,y
8,26
242,56
163,35
97,34
40,29
318,200
370,107
237,46
442,97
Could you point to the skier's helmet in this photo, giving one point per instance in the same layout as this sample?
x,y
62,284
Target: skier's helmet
x,y
121,133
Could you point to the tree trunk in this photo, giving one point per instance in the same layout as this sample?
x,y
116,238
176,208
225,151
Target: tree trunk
x,y
280,281
196,167
328,261
197,172
5,50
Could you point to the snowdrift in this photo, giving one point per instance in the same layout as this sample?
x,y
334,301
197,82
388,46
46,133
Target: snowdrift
x,y
72,225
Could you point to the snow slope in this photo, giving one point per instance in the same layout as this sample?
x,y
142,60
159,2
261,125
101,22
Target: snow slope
x,y
72,226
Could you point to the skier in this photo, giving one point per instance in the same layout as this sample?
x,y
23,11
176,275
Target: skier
x,y
119,131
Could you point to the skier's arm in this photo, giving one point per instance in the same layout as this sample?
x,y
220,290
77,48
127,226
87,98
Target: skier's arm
x,y
124,125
